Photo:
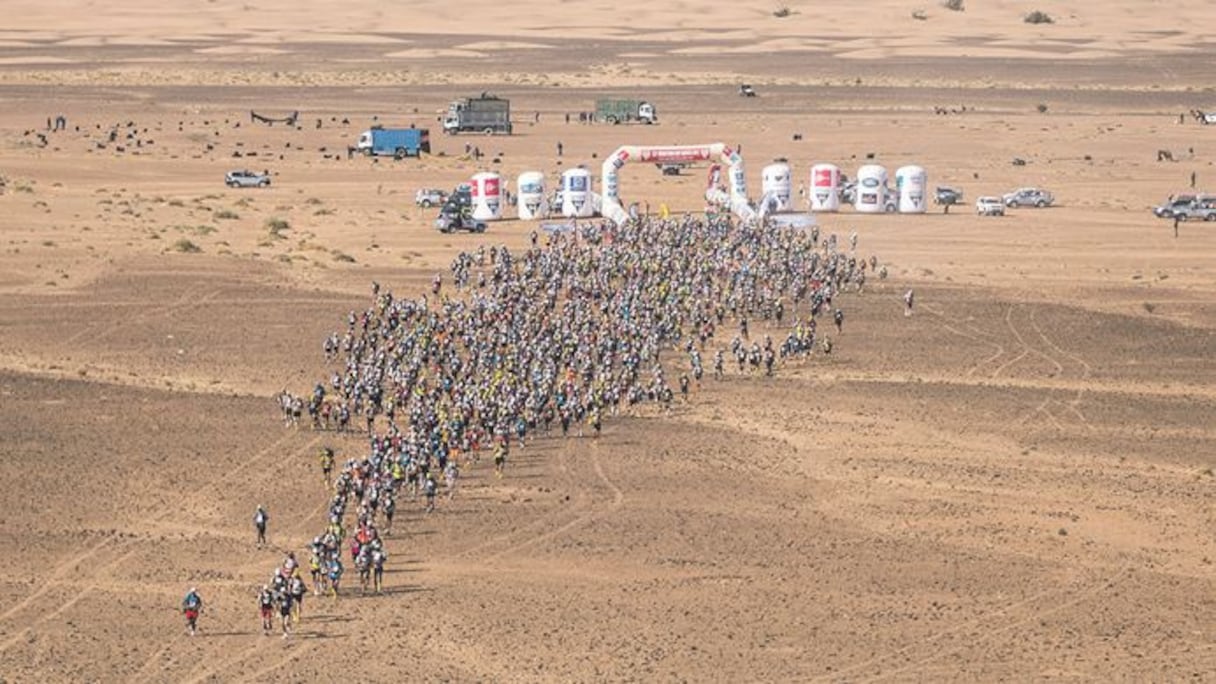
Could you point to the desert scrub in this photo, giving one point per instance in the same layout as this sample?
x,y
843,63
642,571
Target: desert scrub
x,y
276,226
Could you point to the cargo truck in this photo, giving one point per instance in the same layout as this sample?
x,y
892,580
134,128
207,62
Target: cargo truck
x,y
483,114
615,111
395,142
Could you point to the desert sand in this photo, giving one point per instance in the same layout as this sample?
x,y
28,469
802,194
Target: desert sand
x,y
1014,484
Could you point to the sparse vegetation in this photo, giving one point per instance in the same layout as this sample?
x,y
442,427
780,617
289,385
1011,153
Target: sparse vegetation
x,y
954,5
919,15
1038,17
1042,108
323,211
782,12
344,258
200,230
226,215
185,246
275,226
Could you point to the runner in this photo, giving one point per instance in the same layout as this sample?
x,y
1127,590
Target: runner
x,y
431,489
500,450
451,475
327,465
192,607
378,558
315,569
266,606
260,518
389,507
285,608
335,575
297,591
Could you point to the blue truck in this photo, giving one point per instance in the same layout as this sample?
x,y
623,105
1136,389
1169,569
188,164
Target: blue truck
x,y
394,142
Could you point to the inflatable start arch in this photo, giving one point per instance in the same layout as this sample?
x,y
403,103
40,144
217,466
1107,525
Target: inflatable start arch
x,y
737,198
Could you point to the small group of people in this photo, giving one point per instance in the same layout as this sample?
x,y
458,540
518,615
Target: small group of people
x,y
284,595
372,492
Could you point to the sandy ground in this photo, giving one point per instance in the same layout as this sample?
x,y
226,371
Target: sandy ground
x,y
1016,483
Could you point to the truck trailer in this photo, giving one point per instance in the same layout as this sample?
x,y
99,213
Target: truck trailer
x,y
484,114
615,111
394,142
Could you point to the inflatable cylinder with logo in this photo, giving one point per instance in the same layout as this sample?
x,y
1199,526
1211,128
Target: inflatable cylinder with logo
x,y
530,199
486,192
871,189
825,187
910,182
775,186
576,194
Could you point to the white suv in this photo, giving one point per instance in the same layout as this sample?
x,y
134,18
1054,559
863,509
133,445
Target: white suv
x,y
990,206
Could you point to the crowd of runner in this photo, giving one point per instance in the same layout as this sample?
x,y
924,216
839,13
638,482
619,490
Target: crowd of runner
x,y
556,336
590,323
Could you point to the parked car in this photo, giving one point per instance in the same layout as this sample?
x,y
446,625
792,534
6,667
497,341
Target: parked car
x,y
990,206
430,197
1028,197
947,195
746,90
1176,204
246,179
1200,209
451,221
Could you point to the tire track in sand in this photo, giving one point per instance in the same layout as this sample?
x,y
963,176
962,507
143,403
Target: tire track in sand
x,y
1033,608
58,573
978,630
185,301
563,479
90,586
618,498
976,335
1086,371
1027,350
